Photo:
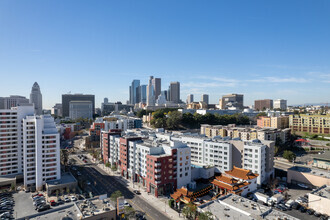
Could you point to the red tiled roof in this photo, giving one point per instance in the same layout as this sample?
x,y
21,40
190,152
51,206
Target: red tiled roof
x,y
241,173
226,179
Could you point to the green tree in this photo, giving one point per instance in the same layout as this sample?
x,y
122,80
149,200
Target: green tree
x,y
205,216
171,203
173,120
261,114
115,195
114,167
289,155
12,187
189,211
129,212
107,164
141,113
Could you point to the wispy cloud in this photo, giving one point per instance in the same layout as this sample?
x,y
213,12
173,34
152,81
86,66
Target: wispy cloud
x,y
280,80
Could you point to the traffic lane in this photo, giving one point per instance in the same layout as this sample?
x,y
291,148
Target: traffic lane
x,y
137,202
111,184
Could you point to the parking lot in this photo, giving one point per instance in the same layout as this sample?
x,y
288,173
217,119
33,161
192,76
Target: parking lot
x,y
6,208
24,205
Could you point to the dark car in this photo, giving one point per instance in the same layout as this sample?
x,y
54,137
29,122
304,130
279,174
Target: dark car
x,y
137,192
296,205
310,211
80,197
60,201
323,217
317,214
302,209
43,208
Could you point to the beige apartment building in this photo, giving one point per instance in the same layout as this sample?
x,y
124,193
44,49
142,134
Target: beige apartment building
x,y
316,124
246,133
273,122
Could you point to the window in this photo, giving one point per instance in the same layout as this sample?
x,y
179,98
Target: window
x,y
186,174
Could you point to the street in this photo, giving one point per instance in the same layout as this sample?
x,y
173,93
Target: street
x,y
101,183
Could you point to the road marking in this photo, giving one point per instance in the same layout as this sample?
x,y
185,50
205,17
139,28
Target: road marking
x,y
140,208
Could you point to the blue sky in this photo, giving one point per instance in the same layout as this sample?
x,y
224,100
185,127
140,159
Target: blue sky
x,y
263,49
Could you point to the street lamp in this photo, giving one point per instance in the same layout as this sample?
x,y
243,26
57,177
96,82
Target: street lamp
x,y
165,205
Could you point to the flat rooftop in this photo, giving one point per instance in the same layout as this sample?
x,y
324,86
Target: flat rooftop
x,y
65,179
313,171
236,207
94,207
324,156
323,191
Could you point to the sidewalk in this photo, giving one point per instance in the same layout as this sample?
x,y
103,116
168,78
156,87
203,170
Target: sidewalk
x,y
161,204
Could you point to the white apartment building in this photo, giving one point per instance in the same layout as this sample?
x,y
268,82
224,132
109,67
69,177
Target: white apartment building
x,y
11,137
41,151
214,152
280,104
255,159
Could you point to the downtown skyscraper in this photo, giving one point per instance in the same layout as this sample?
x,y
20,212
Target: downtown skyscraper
x,y
36,99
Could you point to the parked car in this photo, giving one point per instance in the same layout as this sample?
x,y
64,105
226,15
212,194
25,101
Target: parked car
x,y
66,199
295,205
78,173
310,211
5,215
73,198
302,209
317,214
52,203
88,183
60,201
43,208
80,197
302,185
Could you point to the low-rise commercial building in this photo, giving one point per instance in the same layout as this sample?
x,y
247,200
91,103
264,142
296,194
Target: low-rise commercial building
x,y
319,200
311,177
236,207
280,122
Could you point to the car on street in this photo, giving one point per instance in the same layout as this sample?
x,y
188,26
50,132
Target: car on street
x,y
88,183
302,185
127,204
317,214
137,192
78,173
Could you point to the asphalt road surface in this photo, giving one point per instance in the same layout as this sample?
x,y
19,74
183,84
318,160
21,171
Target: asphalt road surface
x,y
101,183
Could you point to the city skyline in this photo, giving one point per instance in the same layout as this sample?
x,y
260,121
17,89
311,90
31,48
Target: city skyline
x,y
262,50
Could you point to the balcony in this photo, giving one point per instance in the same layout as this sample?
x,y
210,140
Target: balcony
x,y
157,176
158,182
157,170
158,164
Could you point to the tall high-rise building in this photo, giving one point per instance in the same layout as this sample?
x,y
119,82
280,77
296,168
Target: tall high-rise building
x,y
143,94
36,99
67,98
150,93
30,146
135,92
231,100
263,104
190,98
175,92
41,151
205,98
156,83
12,101
280,104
